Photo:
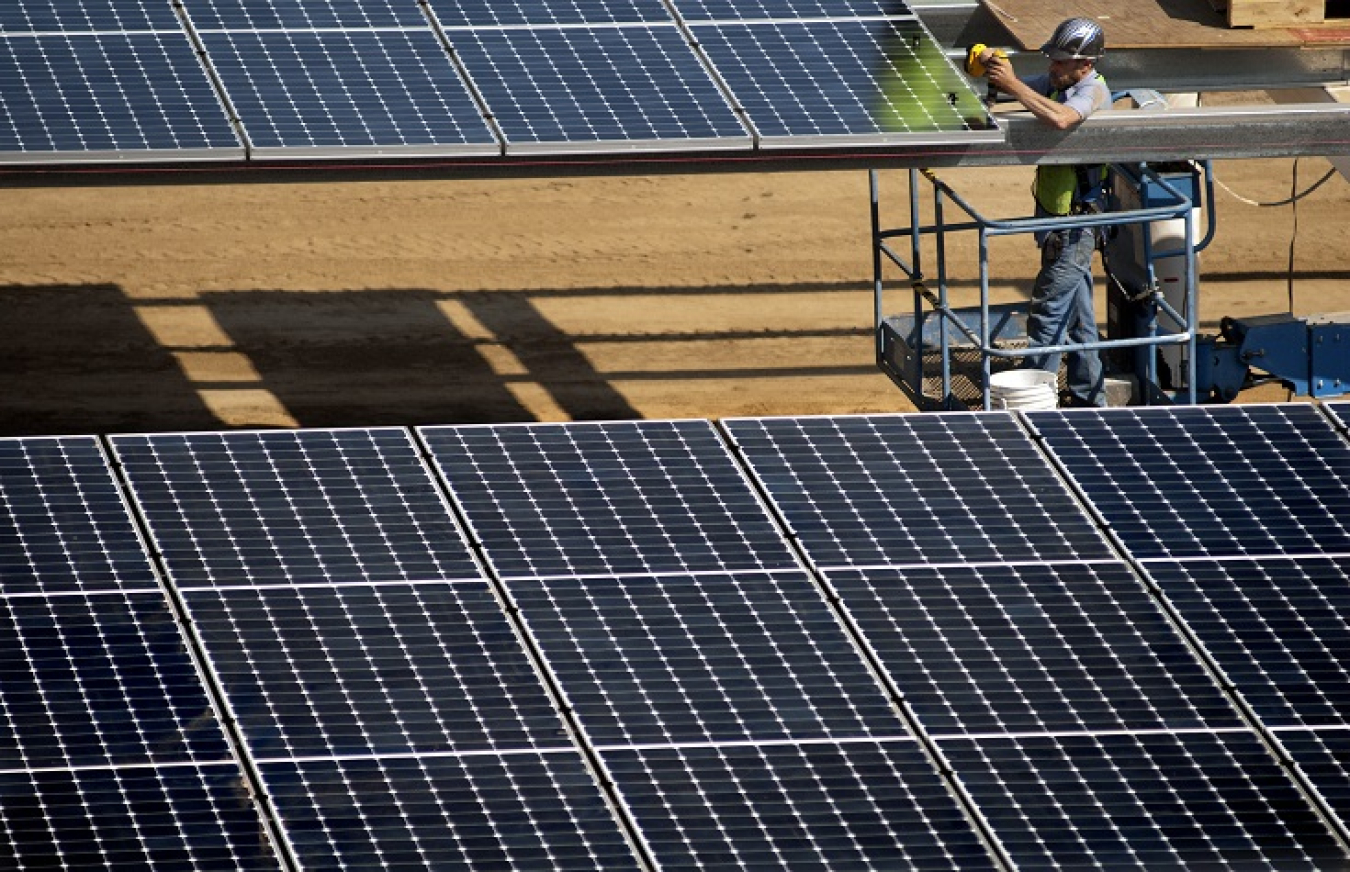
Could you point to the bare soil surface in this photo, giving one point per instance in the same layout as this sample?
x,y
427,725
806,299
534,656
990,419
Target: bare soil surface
x,y
192,307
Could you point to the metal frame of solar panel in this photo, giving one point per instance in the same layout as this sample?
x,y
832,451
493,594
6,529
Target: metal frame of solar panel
x,y
111,754
381,693
1339,412
1085,726
281,80
724,698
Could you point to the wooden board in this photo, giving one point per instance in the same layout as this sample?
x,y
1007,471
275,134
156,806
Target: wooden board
x,y
1274,13
1137,24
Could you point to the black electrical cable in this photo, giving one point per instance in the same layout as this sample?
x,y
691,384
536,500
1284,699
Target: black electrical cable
x,y
1293,198
1293,233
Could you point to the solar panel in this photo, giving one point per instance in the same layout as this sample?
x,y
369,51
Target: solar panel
x,y
389,721
651,677
1210,481
100,680
111,755
329,92
387,710
855,805
607,498
1031,648
728,705
95,81
908,489
105,96
716,658
364,670
819,83
1182,800
166,817
473,811
1279,629
64,526
597,89
301,507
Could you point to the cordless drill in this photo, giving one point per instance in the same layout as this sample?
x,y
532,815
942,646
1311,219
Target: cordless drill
x,y
976,67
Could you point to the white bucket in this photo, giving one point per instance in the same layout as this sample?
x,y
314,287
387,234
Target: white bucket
x,y
1027,389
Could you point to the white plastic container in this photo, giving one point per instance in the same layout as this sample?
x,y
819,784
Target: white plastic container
x,y
1026,389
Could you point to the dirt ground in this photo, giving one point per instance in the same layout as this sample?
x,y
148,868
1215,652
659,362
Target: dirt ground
x,y
188,307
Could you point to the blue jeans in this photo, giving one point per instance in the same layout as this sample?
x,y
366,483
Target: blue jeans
x,y
1061,312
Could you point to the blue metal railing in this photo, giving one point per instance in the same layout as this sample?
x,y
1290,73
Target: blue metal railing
x,y
1177,205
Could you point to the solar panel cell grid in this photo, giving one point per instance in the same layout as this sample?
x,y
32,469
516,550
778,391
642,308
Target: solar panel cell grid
x,y
622,498
395,90
1031,648
307,507
714,658
596,89
1143,801
909,489
171,817
63,523
94,95
1280,630
83,16
848,806
306,15
362,670
513,811
822,80
99,680
1233,480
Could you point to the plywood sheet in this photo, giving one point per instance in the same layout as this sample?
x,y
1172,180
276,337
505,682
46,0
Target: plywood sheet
x,y
1137,24
1275,13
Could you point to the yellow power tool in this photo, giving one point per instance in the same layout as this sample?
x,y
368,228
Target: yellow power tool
x,y
976,67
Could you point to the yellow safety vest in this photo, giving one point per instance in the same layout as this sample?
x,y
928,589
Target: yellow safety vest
x,y
1059,187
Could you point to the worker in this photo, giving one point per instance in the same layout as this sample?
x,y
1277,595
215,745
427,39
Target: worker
x,y
1061,310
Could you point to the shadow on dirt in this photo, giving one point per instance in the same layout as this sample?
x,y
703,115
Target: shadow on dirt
x,y
81,359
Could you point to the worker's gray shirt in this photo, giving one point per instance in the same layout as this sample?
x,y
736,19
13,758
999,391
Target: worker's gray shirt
x,y
1086,97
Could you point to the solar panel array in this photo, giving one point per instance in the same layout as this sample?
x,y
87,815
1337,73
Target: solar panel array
x,y
1089,638
1085,723
111,753
149,81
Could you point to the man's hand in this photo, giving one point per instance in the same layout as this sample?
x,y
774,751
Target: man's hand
x,y
999,73
998,70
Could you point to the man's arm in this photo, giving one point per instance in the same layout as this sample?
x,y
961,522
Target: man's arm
x,y
1051,112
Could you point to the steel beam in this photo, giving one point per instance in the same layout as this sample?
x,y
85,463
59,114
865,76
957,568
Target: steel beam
x,y
1201,133
1340,96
